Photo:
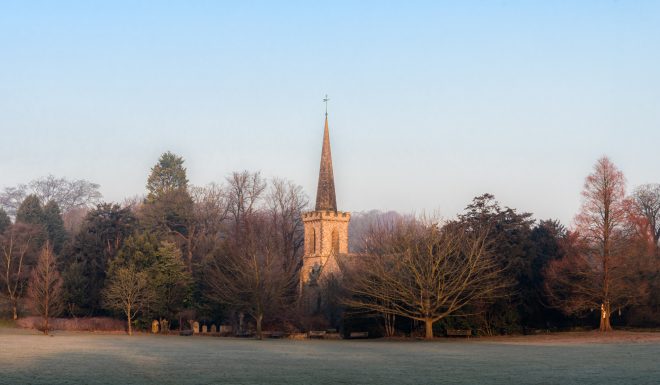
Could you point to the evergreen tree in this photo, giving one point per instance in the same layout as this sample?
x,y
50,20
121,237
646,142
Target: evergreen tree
x,y
169,214
168,210
163,267
548,237
5,221
76,289
103,233
30,211
140,251
171,281
509,233
54,226
167,175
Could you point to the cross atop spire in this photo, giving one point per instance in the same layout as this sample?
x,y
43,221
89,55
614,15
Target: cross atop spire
x,y
325,100
325,193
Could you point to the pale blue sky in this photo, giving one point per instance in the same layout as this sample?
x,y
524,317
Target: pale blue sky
x,y
431,104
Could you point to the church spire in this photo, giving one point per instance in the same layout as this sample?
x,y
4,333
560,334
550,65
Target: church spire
x,y
325,193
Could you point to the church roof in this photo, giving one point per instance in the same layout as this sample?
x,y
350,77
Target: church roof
x,y
325,193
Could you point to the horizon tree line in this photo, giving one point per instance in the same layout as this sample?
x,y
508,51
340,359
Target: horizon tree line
x,y
230,250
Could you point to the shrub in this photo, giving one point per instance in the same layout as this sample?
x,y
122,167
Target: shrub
x,y
89,324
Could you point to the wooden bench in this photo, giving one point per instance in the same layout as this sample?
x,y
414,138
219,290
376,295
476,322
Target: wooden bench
x,y
316,334
459,333
354,335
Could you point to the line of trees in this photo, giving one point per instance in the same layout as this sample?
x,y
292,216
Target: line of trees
x,y
232,252
529,275
180,253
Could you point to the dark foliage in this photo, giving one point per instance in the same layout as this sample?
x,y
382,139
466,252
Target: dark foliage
x,y
102,235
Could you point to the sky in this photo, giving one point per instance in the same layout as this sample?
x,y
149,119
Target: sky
x,y
431,103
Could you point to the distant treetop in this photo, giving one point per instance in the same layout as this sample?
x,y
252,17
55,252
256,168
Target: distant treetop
x,y
68,194
167,175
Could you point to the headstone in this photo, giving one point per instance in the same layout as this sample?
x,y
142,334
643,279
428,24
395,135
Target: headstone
x,y
196,327
225,329
214,329
164,326
205,329
154,327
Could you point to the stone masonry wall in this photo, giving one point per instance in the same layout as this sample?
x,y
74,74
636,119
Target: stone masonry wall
x,y
319,227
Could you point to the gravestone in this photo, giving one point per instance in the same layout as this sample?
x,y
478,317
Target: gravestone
x,y
225,329
214,329
154,327
164,326
205,329
196,327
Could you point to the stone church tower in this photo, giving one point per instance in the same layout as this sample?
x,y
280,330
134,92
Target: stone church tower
x,y
326,229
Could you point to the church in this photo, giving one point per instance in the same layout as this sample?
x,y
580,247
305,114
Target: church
x,y
326,228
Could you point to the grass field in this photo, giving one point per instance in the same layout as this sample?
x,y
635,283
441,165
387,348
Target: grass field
x,y
71,358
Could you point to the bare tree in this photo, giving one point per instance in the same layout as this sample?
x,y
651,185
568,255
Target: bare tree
x,y
17,242
68,194
286,201
249,274
244,190
205,223
74,218
210,209
597,272
647,203
12,197
45,289
362,223
420,271
128,291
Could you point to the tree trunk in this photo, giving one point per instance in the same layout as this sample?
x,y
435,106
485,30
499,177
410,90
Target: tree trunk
x,y
128,314
389,324
46,316
429,328
605,314
258,319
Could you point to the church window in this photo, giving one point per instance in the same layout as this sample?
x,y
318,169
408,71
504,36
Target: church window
x,y
335,241
313,251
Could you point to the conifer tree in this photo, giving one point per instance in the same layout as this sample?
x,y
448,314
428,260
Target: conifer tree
x,y
5,221
168,210
54,225
30,211
167,175
45,289
103,233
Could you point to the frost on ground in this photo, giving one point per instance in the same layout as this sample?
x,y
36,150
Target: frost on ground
x,y
67,358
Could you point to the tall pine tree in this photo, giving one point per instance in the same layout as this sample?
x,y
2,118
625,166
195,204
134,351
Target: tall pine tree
x,y
166,176
54,226
30,211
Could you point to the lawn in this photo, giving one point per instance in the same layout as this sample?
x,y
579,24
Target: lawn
x,y
66,358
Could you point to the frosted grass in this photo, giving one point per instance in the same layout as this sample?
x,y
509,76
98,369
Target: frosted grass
x,y
68,358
